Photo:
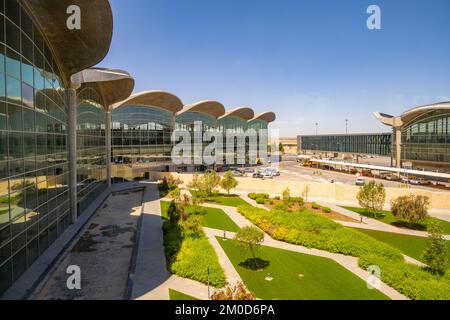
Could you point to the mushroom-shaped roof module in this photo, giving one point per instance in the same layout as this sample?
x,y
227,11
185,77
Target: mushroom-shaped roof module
x,y
73,50
160,99
266,116
113,85
213,108
244,113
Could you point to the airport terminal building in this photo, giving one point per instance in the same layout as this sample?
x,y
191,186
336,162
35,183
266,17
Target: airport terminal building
x,y
67,130
420,136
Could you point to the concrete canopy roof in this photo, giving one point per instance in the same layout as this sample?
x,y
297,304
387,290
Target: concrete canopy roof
x,y
418,111
113,85
209,107
160,99
73,50
410,115
244,113
266,116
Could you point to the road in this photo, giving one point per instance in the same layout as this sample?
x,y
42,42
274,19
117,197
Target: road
x,y
291,170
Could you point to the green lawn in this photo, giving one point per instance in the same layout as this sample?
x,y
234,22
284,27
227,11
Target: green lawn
x,y
388,217
299,276
410,245
211,218
224,200
176,295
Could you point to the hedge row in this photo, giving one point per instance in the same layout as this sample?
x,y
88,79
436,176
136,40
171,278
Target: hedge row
x,y
190,257
409,279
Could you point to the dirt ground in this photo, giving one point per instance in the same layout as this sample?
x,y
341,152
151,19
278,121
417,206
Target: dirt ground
x,y
103,253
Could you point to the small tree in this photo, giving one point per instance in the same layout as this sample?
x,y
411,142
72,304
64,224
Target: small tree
x,y
287,196
250,238
229,182
173,212
281,148
372,196
238,292
195,183
411,207
191,227
175,194
306,192
209,182
435,254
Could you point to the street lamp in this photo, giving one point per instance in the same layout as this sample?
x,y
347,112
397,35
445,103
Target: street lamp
x,y
346,126
317,128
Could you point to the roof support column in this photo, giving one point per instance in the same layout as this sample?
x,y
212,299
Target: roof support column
x,y
71,101
398,147
108,122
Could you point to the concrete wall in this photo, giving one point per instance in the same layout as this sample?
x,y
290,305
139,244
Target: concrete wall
x,y
328,191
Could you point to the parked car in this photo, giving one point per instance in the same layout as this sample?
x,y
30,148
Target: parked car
x,y
424,182
404,180
257,175
237,173
360,181
275,172
267,174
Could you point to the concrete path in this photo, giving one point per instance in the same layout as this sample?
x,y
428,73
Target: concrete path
x,y
348,262
373,224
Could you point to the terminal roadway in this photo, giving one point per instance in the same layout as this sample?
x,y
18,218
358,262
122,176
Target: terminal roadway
x,y
291,170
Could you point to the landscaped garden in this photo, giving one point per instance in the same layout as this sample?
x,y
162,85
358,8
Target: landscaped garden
x,y
221,199
210,217
188,252
313,231
298,276
410,245
389,218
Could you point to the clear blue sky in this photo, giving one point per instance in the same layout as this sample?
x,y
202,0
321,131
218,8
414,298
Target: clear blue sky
x,y
309,61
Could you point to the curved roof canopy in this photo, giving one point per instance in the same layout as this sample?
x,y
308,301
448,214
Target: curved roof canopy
x,y
244,113
266,116
410,115
73,50
160,99
419,111
113,85
209,107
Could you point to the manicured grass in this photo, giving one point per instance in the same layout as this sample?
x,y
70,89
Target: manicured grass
x,y
410,245
211,218
223,199
299,276
388,217
176,295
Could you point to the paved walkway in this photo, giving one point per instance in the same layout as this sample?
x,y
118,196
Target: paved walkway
x,y
348,262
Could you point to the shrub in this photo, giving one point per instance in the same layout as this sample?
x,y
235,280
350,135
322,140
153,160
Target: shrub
x,y
238,292
435,254
260,200
315,231
372,196
277,198
409,279
287,196
327,210
173,212
206,184
193,259
410,208
298,200
192,226
315,206
255,196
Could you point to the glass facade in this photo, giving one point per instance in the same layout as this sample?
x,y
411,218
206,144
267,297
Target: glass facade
x,y
141,135
34,199
376,144
91,148
427,138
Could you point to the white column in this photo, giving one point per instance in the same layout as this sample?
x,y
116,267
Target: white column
x,y
108,122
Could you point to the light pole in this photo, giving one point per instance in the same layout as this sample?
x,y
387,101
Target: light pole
x,y
317,128
346,126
